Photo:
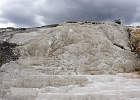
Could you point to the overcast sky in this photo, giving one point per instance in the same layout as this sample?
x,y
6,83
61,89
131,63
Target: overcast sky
x,y
31,13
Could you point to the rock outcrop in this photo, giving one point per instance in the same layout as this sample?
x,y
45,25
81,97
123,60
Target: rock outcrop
x,y
6,53
7,50
71,61
85,48
135,39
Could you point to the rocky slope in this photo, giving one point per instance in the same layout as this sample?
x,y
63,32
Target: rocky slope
x,y
64,58
85,48
135,39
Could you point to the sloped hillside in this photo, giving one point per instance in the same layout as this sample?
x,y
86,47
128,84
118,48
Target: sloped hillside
x,y
83,48
57,63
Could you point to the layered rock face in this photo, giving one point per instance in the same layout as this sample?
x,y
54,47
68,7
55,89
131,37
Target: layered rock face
x,y
71,61
135,39
7,50
83,49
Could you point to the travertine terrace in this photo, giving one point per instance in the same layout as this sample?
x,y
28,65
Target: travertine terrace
x,y
71,61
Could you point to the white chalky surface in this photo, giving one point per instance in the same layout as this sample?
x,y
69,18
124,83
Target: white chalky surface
x,y
73,61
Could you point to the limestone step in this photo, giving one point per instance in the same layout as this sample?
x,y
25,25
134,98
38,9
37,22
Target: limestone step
x,y
44,81
23,91
38,81
70,87
83,96
57,96
68,92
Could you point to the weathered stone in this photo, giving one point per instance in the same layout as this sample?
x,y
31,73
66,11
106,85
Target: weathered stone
x,y
135,39
73,61
6,53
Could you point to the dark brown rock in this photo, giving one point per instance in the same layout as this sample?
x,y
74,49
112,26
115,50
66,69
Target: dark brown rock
x,y
6,52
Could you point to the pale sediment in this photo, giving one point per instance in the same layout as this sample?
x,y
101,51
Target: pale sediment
x,y
72,61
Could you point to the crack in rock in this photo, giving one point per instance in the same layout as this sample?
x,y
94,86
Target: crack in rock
x,y
120,46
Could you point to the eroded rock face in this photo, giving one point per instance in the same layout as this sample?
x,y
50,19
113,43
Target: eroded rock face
x,y
69,62
6,53
135,39
77,48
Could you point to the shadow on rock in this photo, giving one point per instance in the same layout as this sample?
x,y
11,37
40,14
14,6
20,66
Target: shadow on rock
x,y
6,52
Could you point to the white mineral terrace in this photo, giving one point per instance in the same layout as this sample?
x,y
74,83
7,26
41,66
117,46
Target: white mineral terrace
x,y
71,87
73,61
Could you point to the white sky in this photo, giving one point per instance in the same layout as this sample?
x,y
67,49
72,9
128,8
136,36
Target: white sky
x,y
31,13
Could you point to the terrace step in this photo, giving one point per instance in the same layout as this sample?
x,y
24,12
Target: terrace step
x,y
70,87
